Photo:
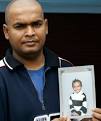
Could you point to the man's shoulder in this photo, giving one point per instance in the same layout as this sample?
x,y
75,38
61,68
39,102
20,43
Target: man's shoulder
x,y
2,64
52,59
64,62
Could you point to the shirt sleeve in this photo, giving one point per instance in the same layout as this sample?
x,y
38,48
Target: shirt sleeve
x,y
1,107
3,101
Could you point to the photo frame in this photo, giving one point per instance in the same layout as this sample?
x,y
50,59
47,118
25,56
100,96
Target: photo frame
x,y
77,91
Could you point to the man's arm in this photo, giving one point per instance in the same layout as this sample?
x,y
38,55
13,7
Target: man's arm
x,y
1,107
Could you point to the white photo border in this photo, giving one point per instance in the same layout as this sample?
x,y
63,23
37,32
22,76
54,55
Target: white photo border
x,y
79,72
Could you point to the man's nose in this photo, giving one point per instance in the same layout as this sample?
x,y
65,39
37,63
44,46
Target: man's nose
x,y
30,31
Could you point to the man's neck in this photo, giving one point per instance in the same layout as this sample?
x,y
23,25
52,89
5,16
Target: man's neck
x,y
35,64
32,63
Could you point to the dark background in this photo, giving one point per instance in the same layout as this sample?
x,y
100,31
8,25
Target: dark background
x,y
75,37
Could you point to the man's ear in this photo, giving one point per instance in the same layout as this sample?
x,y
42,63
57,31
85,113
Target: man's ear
x,y
46,24
5,30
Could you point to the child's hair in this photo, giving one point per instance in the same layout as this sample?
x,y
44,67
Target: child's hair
x,y
77,80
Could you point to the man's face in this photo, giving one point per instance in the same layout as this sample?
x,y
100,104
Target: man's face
x,y
26,30
77,87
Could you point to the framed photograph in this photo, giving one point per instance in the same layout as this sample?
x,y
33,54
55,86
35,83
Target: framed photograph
x,y
77,91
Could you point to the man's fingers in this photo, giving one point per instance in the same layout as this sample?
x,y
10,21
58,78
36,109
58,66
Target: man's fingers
x,y
97,116
61,119
97,110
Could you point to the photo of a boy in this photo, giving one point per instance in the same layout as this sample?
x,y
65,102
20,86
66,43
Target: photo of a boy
x,y
77,100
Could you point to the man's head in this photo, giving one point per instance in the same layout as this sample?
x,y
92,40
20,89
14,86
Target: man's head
x,y
25,27
77,85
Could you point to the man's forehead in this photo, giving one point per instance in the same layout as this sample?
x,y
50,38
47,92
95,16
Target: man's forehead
x,y
22,5
28,20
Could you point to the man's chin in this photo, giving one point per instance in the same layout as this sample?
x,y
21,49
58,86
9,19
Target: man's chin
x,y
30,51
31,54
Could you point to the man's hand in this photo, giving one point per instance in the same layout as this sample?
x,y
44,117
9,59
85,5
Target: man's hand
x,y
96,114
62,119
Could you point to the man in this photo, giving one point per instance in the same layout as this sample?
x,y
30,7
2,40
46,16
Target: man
x,y
29,71
29,79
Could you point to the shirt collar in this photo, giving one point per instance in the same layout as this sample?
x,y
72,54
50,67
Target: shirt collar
x,y
51,59
80,93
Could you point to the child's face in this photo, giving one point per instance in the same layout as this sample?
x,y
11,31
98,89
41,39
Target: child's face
x,y
77,87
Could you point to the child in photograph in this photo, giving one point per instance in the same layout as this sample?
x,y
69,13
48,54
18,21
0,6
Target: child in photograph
x,y
77,100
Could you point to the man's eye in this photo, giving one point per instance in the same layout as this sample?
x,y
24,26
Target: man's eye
x,y
19,26
37,24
